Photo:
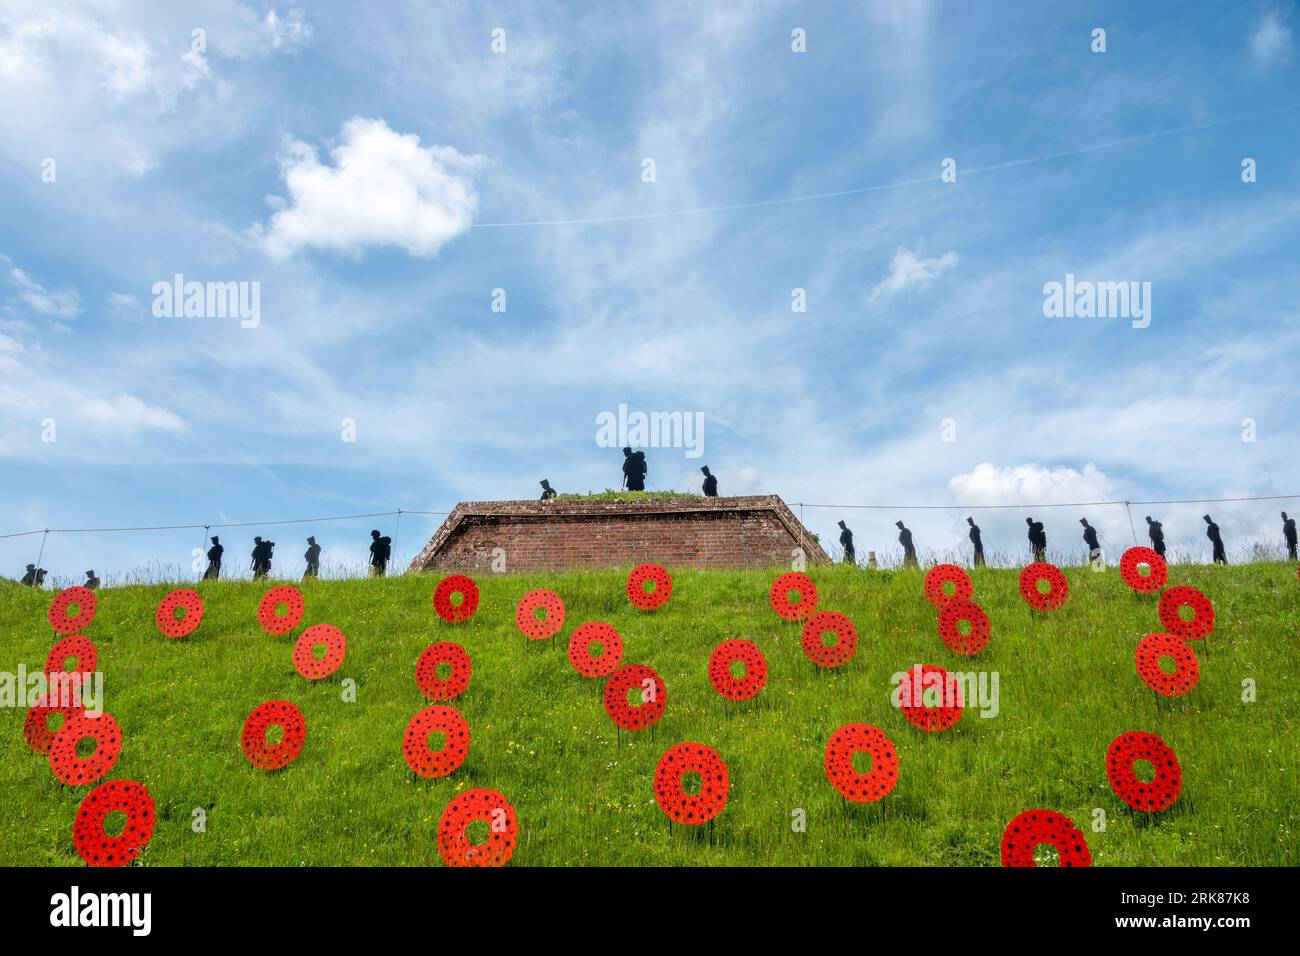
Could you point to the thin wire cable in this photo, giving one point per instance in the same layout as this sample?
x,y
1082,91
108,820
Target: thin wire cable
x,y
1060,504
863,190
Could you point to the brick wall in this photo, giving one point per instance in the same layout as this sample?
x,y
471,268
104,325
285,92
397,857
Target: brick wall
x,y
751,531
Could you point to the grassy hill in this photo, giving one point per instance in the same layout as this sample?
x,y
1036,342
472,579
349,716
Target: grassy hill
x,y
540,735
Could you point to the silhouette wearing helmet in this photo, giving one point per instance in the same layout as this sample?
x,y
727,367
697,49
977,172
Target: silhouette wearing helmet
x,y
634,470
312,557
1037,539
380,549
29,579
905,539
1216,539
92,582
1090,539
547,491
977,541
1156,532
1288,533
846,542
710,483
262,557
214,560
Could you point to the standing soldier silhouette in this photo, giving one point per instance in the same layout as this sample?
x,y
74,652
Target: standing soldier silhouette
x,y
1156,532
905,539
262,558
547,491
214,560
710,483
312,557
633,470
380,548
1037,539
1090,539
1288,532
976,540
29,579
92,582
846,542
1212,532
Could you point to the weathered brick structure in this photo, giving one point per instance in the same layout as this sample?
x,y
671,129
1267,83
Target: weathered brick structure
x,y
749,531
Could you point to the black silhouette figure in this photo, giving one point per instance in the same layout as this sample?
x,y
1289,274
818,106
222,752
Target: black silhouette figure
x,y
1090,539
547,491
312,557
262,558
214,560
1212,532
92,582
380,549
846,542
976,540
1037,539
710,483
634,470
1288,532
1156,532
29,579
905,539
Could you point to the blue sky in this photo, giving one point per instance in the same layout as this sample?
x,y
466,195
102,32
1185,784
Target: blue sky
x,y
379,178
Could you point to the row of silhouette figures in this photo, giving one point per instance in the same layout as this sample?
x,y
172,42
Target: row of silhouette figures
x,y
1037,536
635,472
381,550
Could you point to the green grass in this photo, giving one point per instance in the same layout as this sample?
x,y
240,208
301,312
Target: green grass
x,y
610,495
540,735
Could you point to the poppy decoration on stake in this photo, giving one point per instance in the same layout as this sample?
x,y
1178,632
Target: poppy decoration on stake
x,y
69,766
456,584
930,698
793,583
268,612
1171,604
526,614
941,575
650,691
657,596
182,599
36,727
457,662
611,649
83,599
721,676
846,639
1152,649
1058,587
80,649
1132,563
680,806
952,614
877,782
1163,790
436,718
488,806
1034,827
93,843
274,713
305,661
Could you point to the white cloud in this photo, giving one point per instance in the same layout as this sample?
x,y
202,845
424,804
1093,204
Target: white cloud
x,y
1270,41
383,189
60,304
291,31
908,271
989,484
130,414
